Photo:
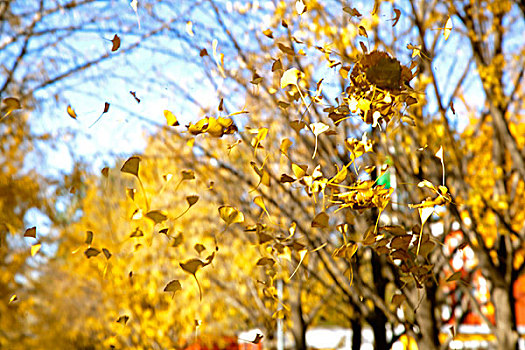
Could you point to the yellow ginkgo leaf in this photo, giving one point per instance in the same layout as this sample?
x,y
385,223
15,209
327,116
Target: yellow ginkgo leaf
x,y
290,77
170,118
35,249
71,112
189,28
448,28
230,215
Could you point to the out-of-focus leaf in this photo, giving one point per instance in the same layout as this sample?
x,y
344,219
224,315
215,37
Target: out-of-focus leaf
x,y
187,174
13,298
91,252
123,320
396,18
265,262
362,31
134,94
30,232
71,112
448,28
131,166
116,43
89,237
352,11
268,33
299,170
290,77
230,215
300,7
106,252
199,248
11,104
454,277
192,200
258,338
131,193
170,118
137,233
35,249
192,266
173,286
189,28
321,220
177,240
157,216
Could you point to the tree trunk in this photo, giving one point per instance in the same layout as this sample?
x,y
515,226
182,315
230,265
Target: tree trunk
x,y
426,319
357,335
299,325
506,334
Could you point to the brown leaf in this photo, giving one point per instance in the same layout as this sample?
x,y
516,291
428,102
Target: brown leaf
x,y
265,262
352,11
396,18
116,43
137,233
105,171
134,94
192,200
321,220
131,166
199,248
106,252
203,53
122,320
286,178
362,31
258,338
91,252
89,237
173,286
157,216
30,232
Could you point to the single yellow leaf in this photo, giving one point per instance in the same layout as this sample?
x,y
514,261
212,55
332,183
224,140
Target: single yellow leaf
x,y
230,215
268,33
189,28
71,112
170,118
299,170
35,249
448,28
290,77
13,298
300,7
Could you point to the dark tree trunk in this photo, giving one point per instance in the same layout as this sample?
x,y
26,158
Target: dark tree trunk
x,y
299,325
357,336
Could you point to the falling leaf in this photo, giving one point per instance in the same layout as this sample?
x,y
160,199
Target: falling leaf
x,y
35,249
177,240
134,5
286,178
173,286
448,28
134,94
71,112
284,23
123,319
116,43
137,233
11,104
131,193
30,232
362,31
277,65
317,129
258,338
300,7
105,171
192,200
299,170
91,252
321,220
230,215
187,174
363,47
157,216
396,18
265,262
454,277
106,109
268,33
260,203
106,252
13,298
352,11
192,266
89,237
199,248
290,77
131,166
203,52
189,28
425,213
285,145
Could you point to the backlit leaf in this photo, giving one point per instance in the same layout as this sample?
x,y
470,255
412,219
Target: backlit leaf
x,y
30,232
192,200
199,248
71,112
35,249
230,215
116,43
131,166
91,252
106,252
157,216
265,262
321,220
448,28
170,118
13,298
122,320
173,286
268,33
454,277
89,237
290,77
